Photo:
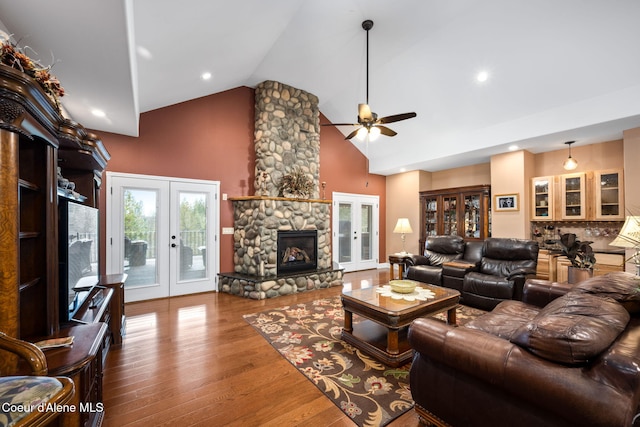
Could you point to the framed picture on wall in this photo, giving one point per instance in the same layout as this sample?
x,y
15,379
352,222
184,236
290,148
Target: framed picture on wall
x,y
506,202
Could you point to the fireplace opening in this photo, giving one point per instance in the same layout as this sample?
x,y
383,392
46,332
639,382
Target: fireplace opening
x,y
297,251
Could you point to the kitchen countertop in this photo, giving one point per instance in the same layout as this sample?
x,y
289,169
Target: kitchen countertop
x,y
613,251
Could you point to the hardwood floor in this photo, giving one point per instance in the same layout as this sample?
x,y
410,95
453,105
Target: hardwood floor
x,y
194,360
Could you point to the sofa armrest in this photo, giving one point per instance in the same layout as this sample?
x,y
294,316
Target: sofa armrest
x,y
458,268
541,292
418,260
521,272
475,352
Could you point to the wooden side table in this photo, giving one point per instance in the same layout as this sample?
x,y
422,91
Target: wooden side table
x,y
400,260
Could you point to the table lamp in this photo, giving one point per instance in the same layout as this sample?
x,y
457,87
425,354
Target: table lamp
x,y
629,237
403,227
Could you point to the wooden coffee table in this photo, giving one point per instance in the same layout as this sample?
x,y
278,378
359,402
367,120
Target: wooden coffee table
x,y
383,333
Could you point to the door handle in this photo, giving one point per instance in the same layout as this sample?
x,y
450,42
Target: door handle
x,y
173,245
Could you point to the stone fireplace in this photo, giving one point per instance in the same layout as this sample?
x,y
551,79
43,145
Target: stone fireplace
x,y
287,122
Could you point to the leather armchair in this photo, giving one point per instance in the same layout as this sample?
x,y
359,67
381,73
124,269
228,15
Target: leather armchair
x,y
507,380
505,266
427,268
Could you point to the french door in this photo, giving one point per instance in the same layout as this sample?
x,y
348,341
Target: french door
x,y
355,231
162,232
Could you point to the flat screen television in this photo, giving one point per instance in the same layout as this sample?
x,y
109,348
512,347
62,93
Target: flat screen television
x,y
78,255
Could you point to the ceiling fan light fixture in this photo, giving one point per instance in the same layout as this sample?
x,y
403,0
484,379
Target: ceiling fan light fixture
x,y
362,134
371,133
571,163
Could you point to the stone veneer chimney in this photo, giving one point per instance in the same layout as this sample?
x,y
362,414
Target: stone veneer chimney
x,y
287,137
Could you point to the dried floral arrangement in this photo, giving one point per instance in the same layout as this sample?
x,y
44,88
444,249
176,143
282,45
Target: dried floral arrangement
x,y
13,56
295,184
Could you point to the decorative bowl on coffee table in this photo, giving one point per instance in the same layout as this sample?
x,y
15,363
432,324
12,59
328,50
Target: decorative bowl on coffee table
x,y
402,286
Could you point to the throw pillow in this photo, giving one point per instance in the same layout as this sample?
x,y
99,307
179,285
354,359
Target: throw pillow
x,y
574,328
620,286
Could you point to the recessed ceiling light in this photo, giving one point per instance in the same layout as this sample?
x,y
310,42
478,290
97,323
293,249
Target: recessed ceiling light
x,y
403,169
98,113
513,147
482,76
206,76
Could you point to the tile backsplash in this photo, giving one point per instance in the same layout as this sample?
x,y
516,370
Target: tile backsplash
x,y
600,233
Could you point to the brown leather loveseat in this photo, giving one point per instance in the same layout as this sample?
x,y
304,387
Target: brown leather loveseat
x,y
485,273
561,357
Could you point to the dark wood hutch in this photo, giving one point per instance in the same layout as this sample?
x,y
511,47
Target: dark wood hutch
x,y
34,140
462,211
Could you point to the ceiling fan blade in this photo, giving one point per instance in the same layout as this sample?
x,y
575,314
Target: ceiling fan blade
x,y
396,118
386,131
364,113
340,124
352,134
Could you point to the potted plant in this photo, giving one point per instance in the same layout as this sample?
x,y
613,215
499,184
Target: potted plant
x,y
581,256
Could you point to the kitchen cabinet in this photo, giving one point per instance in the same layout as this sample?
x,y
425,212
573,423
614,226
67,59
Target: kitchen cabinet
x,y
585,196
605,263
542,198
609,195
573,196
546,266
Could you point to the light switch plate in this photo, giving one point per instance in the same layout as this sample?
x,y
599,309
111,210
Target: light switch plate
x,y
227,230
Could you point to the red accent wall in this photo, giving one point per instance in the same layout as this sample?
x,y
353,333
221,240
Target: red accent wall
x,y
211,138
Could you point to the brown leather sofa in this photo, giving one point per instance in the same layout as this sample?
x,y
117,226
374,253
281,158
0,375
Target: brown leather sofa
x,y
575,362
484,273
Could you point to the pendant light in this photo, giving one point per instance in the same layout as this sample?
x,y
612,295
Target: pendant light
x,y
571,163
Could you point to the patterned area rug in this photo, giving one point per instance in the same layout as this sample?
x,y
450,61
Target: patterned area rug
x,y
308,336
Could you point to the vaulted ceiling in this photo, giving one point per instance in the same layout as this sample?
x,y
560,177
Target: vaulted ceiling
x,y
557,70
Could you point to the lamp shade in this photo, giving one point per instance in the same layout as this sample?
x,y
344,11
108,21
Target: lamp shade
x,y
403,226
629,235
374,133
571,163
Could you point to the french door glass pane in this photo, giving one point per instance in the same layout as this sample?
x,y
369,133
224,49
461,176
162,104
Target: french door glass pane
x,y
193,236
344,232
365,232
140,236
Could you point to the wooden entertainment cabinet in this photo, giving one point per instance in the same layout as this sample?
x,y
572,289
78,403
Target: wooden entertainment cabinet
x,y
34,140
